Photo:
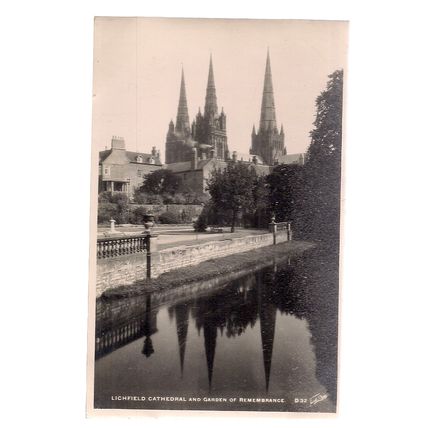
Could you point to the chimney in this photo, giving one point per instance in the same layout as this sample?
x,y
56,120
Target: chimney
x,y
194,160
255,160
117,143
234,156
154,151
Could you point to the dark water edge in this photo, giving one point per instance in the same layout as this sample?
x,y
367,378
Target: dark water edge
x,y
268,334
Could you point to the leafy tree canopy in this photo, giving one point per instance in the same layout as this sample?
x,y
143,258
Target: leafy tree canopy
x,y
161,181
232,189
326,137
286,191
323,166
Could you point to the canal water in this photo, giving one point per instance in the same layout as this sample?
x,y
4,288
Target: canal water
x,y
266,340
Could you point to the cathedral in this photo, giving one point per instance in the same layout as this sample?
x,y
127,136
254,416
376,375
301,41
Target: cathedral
x,y
194,149
206,135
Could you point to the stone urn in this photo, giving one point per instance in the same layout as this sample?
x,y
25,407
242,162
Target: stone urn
x,y
148,221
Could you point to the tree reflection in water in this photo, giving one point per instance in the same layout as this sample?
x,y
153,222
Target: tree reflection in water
x,y
305,287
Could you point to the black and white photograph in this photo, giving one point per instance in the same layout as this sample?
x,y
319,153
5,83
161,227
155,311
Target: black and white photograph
x,y
214,213
218,148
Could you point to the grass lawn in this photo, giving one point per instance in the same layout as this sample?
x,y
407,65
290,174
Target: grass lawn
x,y
211,268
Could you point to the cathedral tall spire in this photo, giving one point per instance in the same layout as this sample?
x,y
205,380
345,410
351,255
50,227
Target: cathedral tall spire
x,y
267,116
182,123
267,142
267,315
210,339
211,97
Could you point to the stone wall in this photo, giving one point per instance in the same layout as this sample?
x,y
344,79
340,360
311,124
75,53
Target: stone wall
x,y
127,269
189,210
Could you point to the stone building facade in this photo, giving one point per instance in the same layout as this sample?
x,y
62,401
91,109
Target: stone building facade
x,y
123,171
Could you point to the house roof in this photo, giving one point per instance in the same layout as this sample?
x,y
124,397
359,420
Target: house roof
x,y
132,156
293,158
187,166
178,166
104,154
246,157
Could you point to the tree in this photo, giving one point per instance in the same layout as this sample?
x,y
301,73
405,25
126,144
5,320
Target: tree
x,y
231,189
113,205
286,191
261,214
122,203
161,182
137,216
169,217
326,137
323,164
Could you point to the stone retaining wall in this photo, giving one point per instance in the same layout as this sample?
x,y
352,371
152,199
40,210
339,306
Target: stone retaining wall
x,y
127,269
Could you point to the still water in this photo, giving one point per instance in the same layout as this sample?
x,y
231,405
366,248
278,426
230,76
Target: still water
x,y
269,334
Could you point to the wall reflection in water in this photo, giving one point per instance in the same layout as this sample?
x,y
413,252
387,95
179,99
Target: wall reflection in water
x,y
272,331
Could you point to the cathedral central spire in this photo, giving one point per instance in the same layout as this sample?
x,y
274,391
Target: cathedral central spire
x,y
211,97
182,123
267,116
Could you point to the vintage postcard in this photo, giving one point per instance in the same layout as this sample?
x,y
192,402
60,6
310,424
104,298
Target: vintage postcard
x,y
216,185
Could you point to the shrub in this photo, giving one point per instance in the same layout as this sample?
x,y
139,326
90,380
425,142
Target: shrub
x,y
106,211
169,218
201,198
201,223
179,198
140,197
137,216
154,199
208,216
120,199
104,197
167,198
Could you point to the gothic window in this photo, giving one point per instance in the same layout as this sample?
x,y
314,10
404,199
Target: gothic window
x,y
139,159
151,161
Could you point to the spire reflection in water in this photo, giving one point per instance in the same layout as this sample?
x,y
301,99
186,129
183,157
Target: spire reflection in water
x,y
269,333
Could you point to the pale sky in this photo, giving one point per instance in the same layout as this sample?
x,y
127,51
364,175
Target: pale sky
x,y
137,72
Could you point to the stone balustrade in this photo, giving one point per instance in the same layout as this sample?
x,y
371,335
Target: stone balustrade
x,y
281,226
117,246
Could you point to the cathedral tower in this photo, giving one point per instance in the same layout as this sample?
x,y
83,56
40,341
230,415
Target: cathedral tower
x,y
268,142
209,129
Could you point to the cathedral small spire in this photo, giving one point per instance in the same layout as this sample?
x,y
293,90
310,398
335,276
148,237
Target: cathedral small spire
x,y
182,323
211,97
182,123
267,116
